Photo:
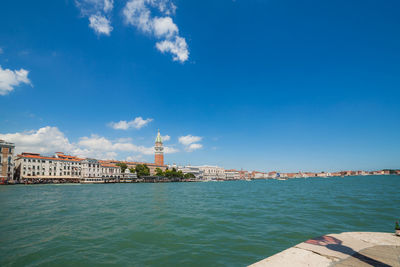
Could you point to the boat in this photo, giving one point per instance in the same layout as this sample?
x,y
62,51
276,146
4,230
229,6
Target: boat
x,y
92,181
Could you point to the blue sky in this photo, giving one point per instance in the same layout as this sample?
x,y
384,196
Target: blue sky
x,y
265,85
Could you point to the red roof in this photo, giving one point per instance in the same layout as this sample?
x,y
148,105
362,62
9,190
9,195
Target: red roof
x,y
38,156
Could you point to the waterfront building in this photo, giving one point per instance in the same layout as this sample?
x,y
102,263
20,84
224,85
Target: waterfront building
x,y
91,168
259,175
6,161
244,175
127,176
193,170
212,172
110,170
232,174
33,166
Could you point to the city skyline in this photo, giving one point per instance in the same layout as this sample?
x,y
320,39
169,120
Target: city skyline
x,y
260,86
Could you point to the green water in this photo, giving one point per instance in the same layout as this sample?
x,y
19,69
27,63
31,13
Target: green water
x,y
185,224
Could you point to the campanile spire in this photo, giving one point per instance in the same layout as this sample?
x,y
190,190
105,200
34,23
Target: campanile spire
x,y
159,150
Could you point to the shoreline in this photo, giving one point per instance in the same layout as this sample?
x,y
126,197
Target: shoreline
x,y
153,179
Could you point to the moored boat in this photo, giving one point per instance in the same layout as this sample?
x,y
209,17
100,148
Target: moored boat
x,y
92,181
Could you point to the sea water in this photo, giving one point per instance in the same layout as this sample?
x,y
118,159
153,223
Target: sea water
x,y
185,224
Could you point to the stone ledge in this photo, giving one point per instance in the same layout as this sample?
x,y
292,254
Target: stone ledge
x,y
337,249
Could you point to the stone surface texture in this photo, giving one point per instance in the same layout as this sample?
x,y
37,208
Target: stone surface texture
x,y
345,249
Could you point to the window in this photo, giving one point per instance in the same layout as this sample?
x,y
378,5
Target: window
x,y
24,160
29,160
10,150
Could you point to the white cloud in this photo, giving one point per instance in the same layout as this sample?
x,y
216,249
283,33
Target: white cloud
x,y
137,123
164,27
98,12
9,79
102,144
190,142
165,138
193,147
138,13
48,140
45,140
189,139
108,5
178,48
170,150
100,24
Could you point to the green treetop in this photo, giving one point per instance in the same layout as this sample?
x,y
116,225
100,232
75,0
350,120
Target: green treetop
x,y
142,170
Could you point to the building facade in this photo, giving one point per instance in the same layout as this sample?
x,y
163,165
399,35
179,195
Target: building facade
x,y
190,169
91,168
244,175
127,176
212,172
232,174
109,170
6,161
258,175
36,166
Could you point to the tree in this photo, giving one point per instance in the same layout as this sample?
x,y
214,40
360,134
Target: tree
x,y
122,165
173,173
159,172
189,175
132,170
142,170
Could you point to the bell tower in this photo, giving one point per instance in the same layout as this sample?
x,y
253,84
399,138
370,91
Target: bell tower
x,y
159,151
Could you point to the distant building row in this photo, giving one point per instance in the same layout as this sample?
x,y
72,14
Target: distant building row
x,y
28,166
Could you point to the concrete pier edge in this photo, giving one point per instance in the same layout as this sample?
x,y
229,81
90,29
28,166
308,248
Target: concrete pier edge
x,y
344,249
